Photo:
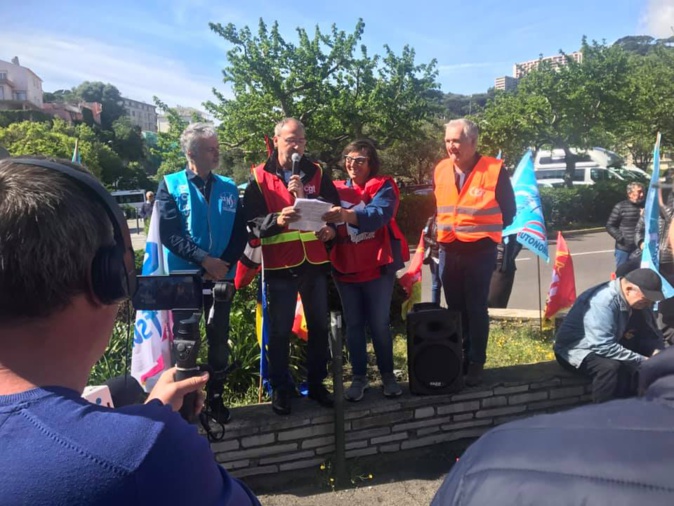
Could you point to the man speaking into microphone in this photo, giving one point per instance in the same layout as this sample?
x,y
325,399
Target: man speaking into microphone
x,y
293,261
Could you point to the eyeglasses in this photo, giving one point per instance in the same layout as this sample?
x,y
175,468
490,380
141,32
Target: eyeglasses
x,y
299,141
358,160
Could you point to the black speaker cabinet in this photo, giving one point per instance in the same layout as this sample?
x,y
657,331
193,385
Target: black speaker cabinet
x,y
434,350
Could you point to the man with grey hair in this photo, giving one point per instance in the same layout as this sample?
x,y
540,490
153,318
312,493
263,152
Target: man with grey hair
x,y
294,262
202,227
475,202
622,222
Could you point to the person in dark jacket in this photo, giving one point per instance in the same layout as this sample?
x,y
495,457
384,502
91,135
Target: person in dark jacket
x,y
617,453
268,205
665,259
623,220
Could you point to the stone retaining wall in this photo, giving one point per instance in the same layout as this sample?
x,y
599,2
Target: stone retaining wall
x,y
258,442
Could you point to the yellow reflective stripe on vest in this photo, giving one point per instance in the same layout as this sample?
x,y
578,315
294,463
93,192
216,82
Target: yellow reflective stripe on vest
x,y
497,227
471,211
281,238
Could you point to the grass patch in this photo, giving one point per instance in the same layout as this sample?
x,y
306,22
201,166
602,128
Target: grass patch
x,y
515,343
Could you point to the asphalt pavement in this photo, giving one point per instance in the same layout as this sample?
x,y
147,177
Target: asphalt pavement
x,y
593,263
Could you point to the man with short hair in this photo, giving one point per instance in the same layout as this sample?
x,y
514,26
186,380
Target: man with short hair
x,y
475,202
622,222
610,331
202,227
293,261
59,297
146,209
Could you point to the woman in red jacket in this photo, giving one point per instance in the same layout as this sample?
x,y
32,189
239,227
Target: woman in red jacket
x,y
368,250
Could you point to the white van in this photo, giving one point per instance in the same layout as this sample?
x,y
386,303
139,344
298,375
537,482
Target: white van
x,y
582,175
591,166
133,198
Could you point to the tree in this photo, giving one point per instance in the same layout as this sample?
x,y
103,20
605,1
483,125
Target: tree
x,y
58,140
128,141
575,105
167,148
107,95
335,88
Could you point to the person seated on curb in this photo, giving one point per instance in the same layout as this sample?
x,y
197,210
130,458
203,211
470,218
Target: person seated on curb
x,y
59,296
619,452
589,339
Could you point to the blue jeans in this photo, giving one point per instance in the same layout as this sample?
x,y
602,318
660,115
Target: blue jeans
x,y
436,282
368,304
621,257
466,275
281,302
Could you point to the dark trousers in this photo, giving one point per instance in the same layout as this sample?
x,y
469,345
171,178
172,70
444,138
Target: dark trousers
x,y
436,282
611,379
281,302
217,336
500,288
465,279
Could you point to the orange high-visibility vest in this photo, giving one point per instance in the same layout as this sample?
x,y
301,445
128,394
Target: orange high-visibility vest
x,y
474,213
290,248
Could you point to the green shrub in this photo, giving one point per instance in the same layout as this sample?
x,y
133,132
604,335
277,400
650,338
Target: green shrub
x,y
413,213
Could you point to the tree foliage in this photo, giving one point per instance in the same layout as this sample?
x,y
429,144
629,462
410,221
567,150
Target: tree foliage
x,y
167,148
107,95
580,104
57,140
327,81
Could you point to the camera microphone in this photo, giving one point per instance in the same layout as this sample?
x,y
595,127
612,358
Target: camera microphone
x,y
296,163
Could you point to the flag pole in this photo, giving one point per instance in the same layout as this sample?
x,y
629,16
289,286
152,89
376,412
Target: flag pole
x,y
540,308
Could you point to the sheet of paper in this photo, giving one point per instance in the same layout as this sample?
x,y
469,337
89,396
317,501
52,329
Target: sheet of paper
x,y
310,211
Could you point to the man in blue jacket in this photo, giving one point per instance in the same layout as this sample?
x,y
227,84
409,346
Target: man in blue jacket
x,y
617,453
202,227
610,331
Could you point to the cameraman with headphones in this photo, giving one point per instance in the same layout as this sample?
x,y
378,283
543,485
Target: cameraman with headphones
x,y
202,226
66,262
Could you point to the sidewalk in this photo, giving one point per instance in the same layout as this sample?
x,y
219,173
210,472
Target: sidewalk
x,y
136,227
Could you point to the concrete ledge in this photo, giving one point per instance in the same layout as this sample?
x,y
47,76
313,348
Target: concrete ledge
x,y
508,314
258,443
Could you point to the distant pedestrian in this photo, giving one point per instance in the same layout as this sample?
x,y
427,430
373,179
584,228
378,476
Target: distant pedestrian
x,y
623,221
146,209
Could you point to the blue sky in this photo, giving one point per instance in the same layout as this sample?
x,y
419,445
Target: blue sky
x,y
165,48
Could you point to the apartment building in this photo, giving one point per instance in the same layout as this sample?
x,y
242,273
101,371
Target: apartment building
x,y
141,114
521,69
505,83
20,87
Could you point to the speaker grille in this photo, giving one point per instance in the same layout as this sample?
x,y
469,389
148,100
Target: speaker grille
x,y
437,366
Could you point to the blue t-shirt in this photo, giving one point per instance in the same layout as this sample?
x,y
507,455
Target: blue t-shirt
x,y
57,448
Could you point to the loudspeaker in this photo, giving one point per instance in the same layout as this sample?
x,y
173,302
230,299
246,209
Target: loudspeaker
x,y
113,272
434,350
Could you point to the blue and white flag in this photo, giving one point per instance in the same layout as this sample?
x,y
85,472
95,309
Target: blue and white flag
x,y
152,333
529,224
651,255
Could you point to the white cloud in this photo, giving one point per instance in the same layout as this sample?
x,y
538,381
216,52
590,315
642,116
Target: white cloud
x,y
63,62
658,20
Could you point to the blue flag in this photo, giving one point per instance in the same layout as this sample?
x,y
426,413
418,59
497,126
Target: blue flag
x,y
650,256
76,153
529,224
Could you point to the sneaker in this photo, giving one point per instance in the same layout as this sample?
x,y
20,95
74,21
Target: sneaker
x,y
321,395
356,391
218,410
280,401
391,387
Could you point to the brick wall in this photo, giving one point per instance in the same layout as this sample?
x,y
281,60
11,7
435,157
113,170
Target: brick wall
x,y
258,442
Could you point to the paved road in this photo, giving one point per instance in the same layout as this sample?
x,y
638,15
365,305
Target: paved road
x,y
593,263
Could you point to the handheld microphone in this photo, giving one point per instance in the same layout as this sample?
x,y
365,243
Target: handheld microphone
x,y
296,163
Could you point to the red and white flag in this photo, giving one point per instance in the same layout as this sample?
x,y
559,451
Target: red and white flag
x,y
562,293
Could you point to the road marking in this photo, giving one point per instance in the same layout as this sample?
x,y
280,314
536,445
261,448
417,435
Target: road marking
x,y
573,255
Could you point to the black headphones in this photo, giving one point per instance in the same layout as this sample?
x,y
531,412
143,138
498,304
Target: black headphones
x,y
113,271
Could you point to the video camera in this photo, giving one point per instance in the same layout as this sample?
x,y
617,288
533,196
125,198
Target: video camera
x,y
182,291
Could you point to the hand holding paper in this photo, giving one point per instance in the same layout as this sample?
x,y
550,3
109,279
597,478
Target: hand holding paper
x,y
310,213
